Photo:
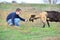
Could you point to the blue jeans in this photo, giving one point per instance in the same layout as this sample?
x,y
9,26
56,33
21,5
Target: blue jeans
x,y
16,22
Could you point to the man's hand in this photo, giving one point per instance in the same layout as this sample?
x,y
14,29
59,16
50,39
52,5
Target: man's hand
x,y
26,20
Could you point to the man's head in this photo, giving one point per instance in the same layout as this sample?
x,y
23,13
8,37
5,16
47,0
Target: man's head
x,y
18,11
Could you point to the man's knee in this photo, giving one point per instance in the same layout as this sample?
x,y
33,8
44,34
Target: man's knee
x,y
16,20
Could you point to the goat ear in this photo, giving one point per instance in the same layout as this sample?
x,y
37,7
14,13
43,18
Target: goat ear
x,y
32,15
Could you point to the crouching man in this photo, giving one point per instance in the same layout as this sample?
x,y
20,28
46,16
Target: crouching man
x,y
13,18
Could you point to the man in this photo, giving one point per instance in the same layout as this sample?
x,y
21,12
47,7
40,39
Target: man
x,y
13,18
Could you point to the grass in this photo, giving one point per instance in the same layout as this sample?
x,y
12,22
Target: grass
x,y
28,30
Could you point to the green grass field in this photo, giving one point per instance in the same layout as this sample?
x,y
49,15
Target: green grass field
x,y
28,30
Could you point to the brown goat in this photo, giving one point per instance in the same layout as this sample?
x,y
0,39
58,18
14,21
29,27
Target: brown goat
x,y
52,16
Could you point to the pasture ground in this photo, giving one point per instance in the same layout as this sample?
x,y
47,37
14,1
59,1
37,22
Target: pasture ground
x,y
28,30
